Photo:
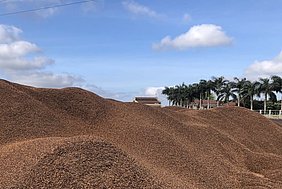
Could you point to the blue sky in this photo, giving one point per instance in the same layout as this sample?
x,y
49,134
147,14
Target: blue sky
x,y
120,49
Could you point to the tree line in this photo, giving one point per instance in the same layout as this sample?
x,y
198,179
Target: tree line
x,y
239,90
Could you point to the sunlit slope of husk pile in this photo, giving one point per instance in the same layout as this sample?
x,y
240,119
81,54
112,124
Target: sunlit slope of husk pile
x,y
72,138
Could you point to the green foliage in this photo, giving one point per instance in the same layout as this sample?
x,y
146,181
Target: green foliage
x,y
241,91
274,106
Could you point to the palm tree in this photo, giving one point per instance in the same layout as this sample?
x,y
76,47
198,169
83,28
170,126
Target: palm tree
x,y
168,91
209,87
267,88
205,89
241,89
189,95
217,85
277,85
239,85
177,94
200,90
250,90
180,94
226,92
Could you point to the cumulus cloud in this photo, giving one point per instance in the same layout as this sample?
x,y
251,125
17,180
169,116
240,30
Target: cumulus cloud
x,y
21,64
16,54
139,9
9,34
16,49
47,79
265,68
205,35
22,61
153,91
156,92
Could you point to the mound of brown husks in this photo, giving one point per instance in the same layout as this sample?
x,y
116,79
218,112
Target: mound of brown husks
x,y
72,138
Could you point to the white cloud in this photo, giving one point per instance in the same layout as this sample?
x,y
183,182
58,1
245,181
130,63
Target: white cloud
x,y
9,33
153,91
20,62
205,35
139,9
16,49
46,79
156,92
265,68
16,54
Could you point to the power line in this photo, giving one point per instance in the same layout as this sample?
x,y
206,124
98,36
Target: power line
x,y
43,8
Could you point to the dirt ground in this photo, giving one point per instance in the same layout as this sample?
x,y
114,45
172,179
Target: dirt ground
x,y
278,121
72,138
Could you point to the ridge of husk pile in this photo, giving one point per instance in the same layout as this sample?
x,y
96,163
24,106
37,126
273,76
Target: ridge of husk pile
x,y
72,138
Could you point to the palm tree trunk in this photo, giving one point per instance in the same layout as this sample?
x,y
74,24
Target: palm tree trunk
x,y
200,101
238,100
252,101
265,100
208,101
281,104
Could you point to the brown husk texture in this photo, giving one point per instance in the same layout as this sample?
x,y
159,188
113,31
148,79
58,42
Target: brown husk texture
x,y
72,138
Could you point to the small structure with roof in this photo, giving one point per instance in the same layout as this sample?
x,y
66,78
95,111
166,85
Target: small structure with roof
x,y
150,101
